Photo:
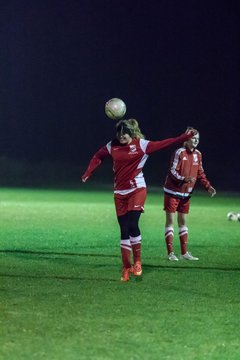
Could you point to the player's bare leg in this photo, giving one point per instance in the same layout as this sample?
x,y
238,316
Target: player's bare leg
x,y
169,234
183,236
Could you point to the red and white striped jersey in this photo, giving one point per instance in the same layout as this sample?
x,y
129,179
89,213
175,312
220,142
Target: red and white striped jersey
x,y
128,161
184,164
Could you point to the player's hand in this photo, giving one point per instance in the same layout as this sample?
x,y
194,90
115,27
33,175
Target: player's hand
x,y
84,178
191,131
212,191
189,179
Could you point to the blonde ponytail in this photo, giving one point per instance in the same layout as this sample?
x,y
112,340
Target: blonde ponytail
x,y
133,127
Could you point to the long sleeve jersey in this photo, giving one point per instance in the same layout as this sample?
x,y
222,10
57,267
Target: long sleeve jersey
x,y
128,161
185,164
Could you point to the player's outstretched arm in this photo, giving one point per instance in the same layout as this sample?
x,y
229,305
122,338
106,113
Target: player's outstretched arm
x,y
95,162
158,145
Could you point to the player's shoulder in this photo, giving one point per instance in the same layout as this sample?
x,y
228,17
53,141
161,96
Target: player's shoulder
x,y
143,143
111,144
180,151
114,142
136,141
198,152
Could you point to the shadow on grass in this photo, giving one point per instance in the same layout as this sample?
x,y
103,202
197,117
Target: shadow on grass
x,y
194,267
148,267
53,253
54,277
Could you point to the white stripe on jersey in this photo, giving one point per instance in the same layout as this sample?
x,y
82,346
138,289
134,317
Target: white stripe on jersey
x,y
143,144
142,162
175,162
182,195
109,146
125,192
140,181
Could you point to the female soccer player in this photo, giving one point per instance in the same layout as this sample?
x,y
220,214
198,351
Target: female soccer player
x,y
185,169
129,152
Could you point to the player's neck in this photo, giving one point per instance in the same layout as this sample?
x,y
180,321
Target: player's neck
x,y
190,149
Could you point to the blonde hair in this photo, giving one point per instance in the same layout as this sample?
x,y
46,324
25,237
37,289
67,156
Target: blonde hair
x,y
189,128
132,126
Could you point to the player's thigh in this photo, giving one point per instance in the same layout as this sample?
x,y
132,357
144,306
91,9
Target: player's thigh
x,y
183,206
121,204
170,204
137,200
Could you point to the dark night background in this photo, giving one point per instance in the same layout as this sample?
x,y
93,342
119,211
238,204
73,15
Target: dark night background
x,y
174,63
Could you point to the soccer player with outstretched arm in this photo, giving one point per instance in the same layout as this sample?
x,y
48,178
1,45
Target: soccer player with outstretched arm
x,y
129,152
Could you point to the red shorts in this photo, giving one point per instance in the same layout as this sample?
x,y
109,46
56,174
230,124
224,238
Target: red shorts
x,y
172,204
132,201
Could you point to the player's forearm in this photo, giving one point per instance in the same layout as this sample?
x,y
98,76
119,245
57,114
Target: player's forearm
x,y
203,180
93,165
158,145
96,161
176,176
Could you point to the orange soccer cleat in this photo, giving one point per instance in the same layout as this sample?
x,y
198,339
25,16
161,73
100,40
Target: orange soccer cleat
x,y
137,268
126,274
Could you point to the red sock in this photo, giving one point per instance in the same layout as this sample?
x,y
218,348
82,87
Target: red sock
x,y
183,236
126,253
136,247
169,233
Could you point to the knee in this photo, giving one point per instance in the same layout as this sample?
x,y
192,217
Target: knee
x,y
124,232
134,230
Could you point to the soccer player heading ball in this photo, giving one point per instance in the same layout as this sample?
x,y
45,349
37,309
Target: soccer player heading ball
x,y
185,169
129,151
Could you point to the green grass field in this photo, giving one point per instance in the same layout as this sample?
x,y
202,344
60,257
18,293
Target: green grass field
x,y
61,295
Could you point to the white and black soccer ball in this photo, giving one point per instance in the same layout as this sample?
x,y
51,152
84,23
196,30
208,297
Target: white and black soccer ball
x,y
115,109
233,216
